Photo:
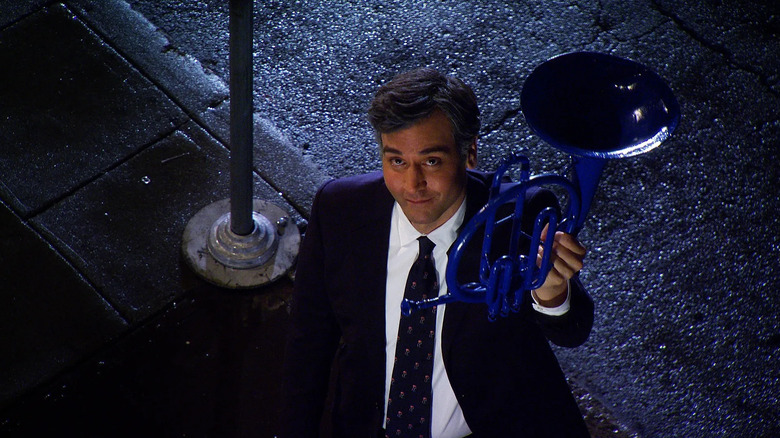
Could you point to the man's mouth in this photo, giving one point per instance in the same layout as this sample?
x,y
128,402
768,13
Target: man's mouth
x,y
417,201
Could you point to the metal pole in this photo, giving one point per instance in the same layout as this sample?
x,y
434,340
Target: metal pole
x,y
241,141
240,242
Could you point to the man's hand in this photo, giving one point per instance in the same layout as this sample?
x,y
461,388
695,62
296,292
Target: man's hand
x,y
566,259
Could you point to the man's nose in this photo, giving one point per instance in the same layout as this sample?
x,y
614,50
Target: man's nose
x,y
415,178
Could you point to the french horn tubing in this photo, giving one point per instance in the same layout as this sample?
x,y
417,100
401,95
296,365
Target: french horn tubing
x,y
593,106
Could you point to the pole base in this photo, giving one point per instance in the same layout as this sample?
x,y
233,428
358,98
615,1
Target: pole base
x,y
228,260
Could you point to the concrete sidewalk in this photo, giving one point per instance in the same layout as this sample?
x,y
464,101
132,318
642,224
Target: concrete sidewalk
x,y
111,143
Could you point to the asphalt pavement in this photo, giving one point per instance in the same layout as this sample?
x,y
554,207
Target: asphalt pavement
x,y
114,133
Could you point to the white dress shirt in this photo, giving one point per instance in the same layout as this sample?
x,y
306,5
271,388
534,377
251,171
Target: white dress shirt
x,y
447,417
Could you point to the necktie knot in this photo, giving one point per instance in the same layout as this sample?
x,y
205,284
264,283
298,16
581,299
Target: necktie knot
x,y
426,246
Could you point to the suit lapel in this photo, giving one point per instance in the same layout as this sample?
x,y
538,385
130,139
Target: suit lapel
x,y
369,253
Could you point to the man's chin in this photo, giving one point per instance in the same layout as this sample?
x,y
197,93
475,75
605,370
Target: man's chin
x,y
419,219
422,222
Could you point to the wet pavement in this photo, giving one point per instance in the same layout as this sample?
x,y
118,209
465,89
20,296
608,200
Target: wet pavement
x,y
113,126
103,330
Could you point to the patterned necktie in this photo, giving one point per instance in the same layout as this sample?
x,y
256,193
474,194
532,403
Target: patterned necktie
x,y
409,403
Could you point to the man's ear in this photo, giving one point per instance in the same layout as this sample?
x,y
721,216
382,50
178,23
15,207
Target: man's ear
x,y
471,155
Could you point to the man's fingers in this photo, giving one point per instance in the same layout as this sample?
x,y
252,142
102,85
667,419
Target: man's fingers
x,y
564,239
554,277
570,242
565,269
566,257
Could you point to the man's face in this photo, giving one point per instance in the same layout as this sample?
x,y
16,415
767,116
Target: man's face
x,y
424,172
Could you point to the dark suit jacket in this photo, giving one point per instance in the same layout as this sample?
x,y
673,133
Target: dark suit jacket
x,y
504,374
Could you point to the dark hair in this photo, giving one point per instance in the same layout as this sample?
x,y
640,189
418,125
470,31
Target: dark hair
x,y
415,95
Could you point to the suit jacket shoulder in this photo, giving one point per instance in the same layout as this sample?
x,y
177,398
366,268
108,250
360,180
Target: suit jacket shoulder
x,y
354,192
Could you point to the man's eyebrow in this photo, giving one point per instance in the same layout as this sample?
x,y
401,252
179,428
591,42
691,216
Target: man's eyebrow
x,y
387,150
433,149
428,150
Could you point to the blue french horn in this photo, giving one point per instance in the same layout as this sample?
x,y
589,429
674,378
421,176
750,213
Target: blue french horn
x,y
594,107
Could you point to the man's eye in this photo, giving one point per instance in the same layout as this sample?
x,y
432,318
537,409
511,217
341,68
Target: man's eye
x,y
396,161
432,161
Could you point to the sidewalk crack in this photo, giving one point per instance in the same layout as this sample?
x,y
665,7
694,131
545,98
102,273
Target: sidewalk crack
x,y
508,114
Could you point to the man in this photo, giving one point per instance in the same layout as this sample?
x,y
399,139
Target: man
x,y
368,233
